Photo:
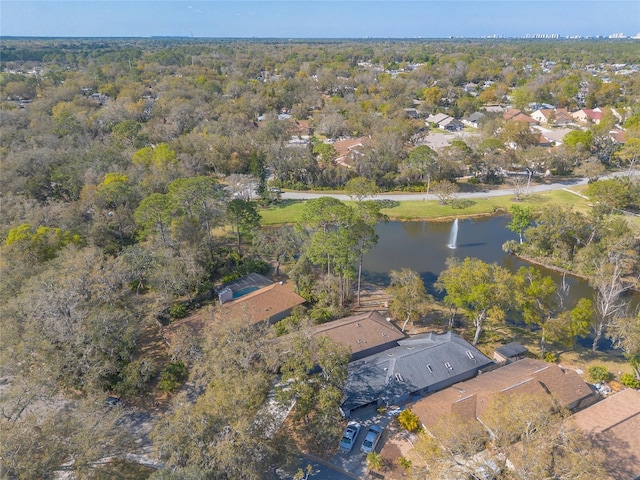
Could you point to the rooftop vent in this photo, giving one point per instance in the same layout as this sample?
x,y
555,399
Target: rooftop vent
x,y
470,355
448,365
430,368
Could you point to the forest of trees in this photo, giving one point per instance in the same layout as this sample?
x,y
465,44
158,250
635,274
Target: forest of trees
x,y
133,176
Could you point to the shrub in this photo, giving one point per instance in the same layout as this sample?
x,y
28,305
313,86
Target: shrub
x,y
172,376
404,462
179,310
409,420
629,380
598,373
550,357
135,377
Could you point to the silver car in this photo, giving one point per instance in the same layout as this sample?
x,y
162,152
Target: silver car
x,y
349,437
371,440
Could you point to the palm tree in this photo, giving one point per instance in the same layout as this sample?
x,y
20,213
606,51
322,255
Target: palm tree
x,y
374,461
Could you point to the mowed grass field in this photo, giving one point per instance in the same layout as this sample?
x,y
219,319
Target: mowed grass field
x,y
289,211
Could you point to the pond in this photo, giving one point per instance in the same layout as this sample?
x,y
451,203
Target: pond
x,y
424,248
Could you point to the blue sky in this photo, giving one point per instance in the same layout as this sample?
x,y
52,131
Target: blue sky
x,y
318,19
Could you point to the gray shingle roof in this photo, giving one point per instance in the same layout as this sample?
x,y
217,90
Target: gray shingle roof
x,y
417,363
511,350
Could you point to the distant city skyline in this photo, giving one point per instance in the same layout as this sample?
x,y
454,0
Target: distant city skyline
x,y
320,19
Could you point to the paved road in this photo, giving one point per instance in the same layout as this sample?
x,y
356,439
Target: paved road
x,y
481,194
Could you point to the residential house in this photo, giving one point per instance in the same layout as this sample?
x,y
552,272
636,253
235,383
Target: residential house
x,y
474,120
554,136
412,113
451,124
510,113
515,115
444,121
559,116
618,136
471,88
587,115
417,365
365,334
614,425
563,117
470,399
349,151
497,109
521,117
271,303
437,118
543,141
253,296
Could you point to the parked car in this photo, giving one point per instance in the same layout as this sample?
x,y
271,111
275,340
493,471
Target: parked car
x,y
349,437
371,439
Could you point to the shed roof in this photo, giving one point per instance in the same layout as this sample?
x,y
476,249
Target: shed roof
x,y
512,349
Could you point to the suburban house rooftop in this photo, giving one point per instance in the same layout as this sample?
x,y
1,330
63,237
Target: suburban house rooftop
x,y
271,303
469,399
418,364
614,425
365,334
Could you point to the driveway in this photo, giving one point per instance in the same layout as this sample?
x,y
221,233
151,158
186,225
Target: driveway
x,y
355,462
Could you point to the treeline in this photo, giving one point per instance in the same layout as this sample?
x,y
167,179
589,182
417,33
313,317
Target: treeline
x,y
133,173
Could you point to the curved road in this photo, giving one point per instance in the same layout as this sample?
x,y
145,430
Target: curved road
x,y
481,194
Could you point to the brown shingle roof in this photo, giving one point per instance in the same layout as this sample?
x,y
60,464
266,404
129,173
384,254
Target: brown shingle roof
x,y
361,332
512,112
263,304
524,376
521,117
614,424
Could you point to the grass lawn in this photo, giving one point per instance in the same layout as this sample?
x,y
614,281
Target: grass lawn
x,y
576,356
289,211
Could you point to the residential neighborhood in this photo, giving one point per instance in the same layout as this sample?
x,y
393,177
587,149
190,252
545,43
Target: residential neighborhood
x,y
330,258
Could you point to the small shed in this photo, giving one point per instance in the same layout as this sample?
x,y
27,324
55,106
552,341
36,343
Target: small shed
x,y
509,353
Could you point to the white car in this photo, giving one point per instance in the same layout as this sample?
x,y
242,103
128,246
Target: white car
x,y
371,439
349,437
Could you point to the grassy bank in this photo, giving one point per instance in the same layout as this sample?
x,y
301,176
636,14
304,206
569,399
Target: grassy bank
x,y
290,210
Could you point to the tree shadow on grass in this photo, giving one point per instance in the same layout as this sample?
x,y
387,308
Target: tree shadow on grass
x,y
462,203
534,198
285,203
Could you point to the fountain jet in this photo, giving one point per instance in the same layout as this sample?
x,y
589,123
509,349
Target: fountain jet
x,y
453,236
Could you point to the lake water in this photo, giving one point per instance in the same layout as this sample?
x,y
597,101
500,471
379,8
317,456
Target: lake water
x,y
422,247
